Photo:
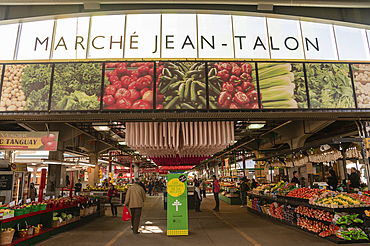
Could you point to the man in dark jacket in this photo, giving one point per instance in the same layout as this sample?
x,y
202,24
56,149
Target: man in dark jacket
x,y
354,178
332,180
295,178
244,187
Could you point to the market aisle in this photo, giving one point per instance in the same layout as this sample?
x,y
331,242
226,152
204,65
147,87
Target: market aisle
x,y
231,226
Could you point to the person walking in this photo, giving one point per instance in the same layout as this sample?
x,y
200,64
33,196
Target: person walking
x,y
216,190
112,192
244,187
135,199
78,187
33,192
150,187
204,188
198,198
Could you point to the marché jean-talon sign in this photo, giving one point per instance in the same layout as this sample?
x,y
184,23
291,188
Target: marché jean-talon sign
x,y
182,35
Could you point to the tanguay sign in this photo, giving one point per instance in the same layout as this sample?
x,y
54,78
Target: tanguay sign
x,y
182,35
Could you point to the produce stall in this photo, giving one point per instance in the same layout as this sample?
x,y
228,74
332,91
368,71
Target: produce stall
x,y
336,216
229,193
103,192
32,223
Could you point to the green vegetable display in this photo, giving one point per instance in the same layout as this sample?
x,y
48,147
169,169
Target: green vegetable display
x,y
329,85
182,85
76,86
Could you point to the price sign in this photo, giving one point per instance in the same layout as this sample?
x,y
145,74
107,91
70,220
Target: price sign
x,y
60,220
53,197
96,199
360,193
91,194
341,188
20,201
78,205
83,207
36,199
47,198
28,200
12,204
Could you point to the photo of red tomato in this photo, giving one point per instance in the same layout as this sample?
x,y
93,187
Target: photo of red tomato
x,y
131,85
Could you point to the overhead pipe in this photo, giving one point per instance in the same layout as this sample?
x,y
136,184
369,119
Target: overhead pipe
x,y
289,3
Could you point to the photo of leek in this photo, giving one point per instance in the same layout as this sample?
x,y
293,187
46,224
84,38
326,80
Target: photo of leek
x,y
282,85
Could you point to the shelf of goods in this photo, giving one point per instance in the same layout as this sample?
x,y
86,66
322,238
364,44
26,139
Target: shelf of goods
x,y
341,224
229,193
22,226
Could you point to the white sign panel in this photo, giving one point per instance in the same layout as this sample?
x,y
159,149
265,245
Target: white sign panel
x,y
143,36
285,39
368,37
352,43
250,37
215,38
107,36
179,39
71,36
8,41
319,41
35,40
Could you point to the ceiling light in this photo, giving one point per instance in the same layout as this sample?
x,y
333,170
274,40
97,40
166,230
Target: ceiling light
x,y
122,143
255,126
102,128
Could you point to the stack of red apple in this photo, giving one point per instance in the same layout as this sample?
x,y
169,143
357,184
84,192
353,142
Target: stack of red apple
x,y
314,226
304,193
362,198
131,86
276,211
315,213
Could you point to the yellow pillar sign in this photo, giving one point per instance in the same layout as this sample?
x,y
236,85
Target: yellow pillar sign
x,y
367,142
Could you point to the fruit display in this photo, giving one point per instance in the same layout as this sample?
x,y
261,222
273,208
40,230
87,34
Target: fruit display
x,y
351,233
282,85
332,230
364,199
315,213
232,85
314,226
346,219
181,85
329,85
76,86
119,188
26,87
361,77
304,193
276,211
289,213
130,85
338,200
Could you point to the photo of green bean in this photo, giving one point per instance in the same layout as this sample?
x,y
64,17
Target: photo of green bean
x,y
181,85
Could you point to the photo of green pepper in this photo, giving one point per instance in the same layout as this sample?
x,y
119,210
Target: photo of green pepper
x,y
181,85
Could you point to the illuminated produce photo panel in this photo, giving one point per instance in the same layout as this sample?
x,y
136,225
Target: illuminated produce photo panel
x,y
361,78
26,87
329,85
76,86
282,85
130,86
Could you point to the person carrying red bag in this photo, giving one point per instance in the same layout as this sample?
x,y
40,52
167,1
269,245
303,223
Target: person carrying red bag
x,y
135,199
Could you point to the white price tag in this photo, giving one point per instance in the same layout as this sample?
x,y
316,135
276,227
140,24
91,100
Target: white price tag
x,y
96,199
12,204
53,197
36,199
360,193
78,205
60,219
91,194
28,200
20,201
47,198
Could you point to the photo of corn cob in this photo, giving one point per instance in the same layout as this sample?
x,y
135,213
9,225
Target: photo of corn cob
x,y
282,85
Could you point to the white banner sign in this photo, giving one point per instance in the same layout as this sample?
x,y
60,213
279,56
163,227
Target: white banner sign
x,y
181,35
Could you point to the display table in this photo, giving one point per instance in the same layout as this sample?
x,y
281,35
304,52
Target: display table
x,y
259,204
104,194
45,217
230,200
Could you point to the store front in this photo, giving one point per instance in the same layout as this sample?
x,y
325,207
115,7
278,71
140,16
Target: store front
x,y
233,95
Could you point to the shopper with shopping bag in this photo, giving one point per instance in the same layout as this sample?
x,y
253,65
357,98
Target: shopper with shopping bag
x,y
113,199
135,198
